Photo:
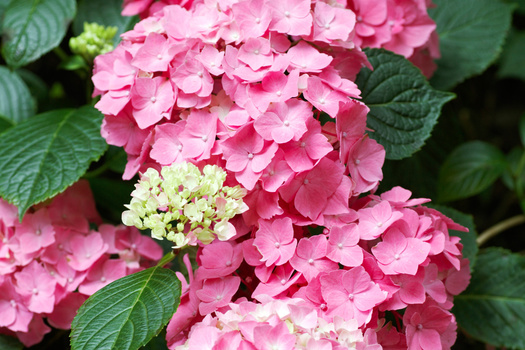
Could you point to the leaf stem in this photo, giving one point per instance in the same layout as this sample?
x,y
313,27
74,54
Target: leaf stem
x,y
166,259
500,227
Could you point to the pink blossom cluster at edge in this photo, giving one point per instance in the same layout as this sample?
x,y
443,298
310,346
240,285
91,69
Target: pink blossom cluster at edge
x,y
316,263
53,260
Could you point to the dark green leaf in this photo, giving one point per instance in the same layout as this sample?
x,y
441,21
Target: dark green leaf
x,y
10,343
515,171
38,88
520,5
117,158
512,57
105,12
469,169
5,124
468,239
32,28
44,155
492,309
73,63
522,124
471,35
403,106
127,313
17,103
157,343
3,6
110,196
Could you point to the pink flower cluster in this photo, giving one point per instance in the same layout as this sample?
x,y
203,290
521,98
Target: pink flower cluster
x,y
52,261
243,85
401,26
393,254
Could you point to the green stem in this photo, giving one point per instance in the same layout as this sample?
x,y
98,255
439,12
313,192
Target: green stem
x,y
97,171
166,258
61,54
500,227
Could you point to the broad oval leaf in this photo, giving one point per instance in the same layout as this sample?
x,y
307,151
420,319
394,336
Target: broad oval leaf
x,y
32,28
127,313
42,156
105,12
469,169
5,124
403,106
17,103
513,56
492,309
471,35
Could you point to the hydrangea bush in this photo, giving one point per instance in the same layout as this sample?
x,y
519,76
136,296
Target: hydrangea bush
x,y
266,91
255,133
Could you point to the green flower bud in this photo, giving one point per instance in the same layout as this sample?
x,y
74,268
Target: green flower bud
x,y
95,40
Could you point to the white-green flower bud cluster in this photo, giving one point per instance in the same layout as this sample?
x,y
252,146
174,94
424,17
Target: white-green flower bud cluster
x,y
95,40
184,205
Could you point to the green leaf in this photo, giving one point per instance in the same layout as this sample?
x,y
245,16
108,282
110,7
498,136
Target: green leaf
x,y
512,57
17,104
5,124
105,12
522,125
32,28
44,155
403,106
520,5
515,171
10,343
469,169
110,196
492,309
471,35
74,62
127,313
468,239
38,88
